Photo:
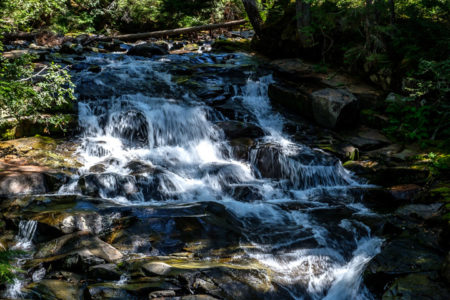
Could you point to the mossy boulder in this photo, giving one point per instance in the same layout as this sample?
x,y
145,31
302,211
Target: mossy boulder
x,y
231,45
417,286
12,129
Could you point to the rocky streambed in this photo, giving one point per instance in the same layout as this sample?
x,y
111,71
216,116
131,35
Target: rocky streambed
x,y
203,176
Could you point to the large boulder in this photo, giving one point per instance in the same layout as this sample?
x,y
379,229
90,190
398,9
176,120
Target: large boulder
x,y
334,107
22,183
148,50
329,107
291,97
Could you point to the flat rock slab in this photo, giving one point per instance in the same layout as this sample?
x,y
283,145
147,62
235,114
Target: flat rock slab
x,y
297,70
79,241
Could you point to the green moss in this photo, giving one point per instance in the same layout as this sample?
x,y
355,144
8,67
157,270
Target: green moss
x,y
231,46
8,130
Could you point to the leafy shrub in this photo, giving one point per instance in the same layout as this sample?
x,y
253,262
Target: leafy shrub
x,y
424,114
24,94
6,269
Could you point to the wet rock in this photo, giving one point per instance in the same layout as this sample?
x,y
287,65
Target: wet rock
x,y
246,193
250,285
22,183
422,211
367,144
132,289
236,129
39,154
59,220
105,272
95,69
206,285
109,185
131,127
292,98
161,294
98,168
147,50
156,268
177,45
191,47
404,256
417,286
241,147
71,48
198,297
405,192
100,292
387,176
115,46
138,167
56,289
334,107
400,257
79,242
385,152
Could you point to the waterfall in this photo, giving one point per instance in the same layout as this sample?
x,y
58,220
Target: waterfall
x,y
25,235
148,141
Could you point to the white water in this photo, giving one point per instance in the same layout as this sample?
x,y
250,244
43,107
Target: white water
x,y
183,157
25,236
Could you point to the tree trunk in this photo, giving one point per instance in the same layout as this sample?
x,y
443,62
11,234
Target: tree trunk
x,y
253,14
303,15
392,10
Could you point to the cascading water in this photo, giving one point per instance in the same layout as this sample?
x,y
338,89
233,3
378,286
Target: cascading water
x,y
151,138
24,238
26,233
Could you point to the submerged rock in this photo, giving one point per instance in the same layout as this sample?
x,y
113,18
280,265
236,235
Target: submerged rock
x,y
104,272
236,129
82,243
132,127
56,289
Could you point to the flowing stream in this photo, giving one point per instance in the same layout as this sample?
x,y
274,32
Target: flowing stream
x,y
184,131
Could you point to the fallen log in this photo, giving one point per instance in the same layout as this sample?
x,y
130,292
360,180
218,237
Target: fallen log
x,y
133,36
170,32
19,36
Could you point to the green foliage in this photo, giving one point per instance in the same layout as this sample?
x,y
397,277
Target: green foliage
x,y
6,269
424,113
24,94
119,15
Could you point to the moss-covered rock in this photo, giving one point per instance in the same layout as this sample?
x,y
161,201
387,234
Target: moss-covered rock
x,y
231,45
417,286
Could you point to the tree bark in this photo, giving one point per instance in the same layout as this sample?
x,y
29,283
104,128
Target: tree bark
x,y
392,10
254,15
303,15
